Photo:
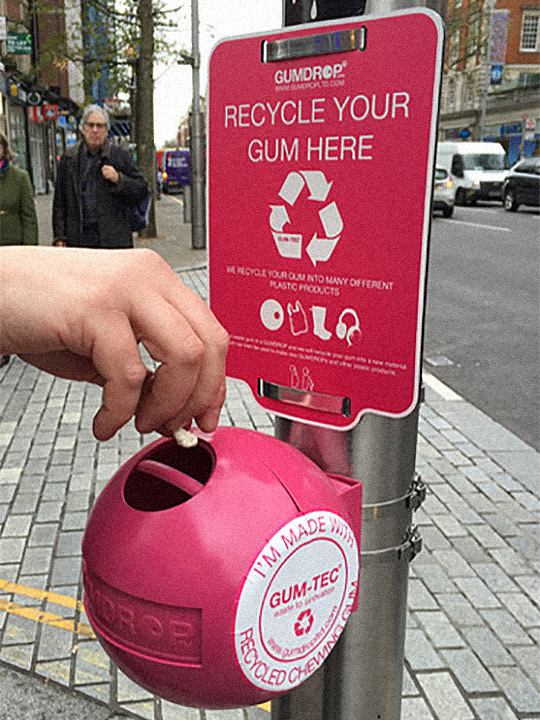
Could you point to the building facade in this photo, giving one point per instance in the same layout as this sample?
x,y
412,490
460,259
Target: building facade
x,y
491,85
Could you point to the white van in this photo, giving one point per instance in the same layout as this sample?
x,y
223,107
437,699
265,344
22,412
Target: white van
x,y
478,169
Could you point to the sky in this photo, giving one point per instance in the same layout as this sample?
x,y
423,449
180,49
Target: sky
x,y
217,19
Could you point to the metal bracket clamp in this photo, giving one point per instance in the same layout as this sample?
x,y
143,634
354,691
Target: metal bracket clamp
x,y
412,501
417,495
408,550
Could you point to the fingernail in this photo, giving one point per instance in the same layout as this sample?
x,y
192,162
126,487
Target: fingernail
x,y
209,421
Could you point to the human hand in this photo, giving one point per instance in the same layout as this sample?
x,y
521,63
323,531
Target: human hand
x,y
110,173
83,320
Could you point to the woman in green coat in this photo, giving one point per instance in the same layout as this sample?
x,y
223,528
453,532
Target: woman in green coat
x,y
18,221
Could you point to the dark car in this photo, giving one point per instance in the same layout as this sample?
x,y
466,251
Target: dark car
x,y
522,185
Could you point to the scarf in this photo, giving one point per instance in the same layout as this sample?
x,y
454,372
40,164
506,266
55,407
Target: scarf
x,y
3,165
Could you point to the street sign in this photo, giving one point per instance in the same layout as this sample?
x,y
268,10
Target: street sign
x,y
50,112
19,43
320,157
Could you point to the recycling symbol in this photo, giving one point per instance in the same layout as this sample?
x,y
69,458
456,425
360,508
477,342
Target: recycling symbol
x,y
324,240
303,623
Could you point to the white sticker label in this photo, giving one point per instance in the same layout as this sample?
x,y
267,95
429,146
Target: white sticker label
x,y
295,600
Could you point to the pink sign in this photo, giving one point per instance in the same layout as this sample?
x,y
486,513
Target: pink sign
x,y
320,176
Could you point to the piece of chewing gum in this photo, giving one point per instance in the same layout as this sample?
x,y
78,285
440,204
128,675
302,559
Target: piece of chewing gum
x,y
185,438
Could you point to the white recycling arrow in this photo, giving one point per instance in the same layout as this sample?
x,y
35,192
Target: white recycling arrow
x,y
316,182
278,217
321,248
292,187
331,220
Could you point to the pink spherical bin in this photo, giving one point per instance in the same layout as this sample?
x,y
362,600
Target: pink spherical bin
x,y
222,575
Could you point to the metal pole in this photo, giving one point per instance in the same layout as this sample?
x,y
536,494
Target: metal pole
x,y
198,229
362,677
487,71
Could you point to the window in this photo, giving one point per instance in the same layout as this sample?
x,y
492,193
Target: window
x,y
454,46
529,32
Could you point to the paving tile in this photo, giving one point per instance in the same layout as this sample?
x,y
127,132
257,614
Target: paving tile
x,y
17,526
43,534
439,630
36,559
11,550
66,571
49,511
501,524
18,655
486,536
434,577
91,664
470,550
419,653
522,609
19,630
174,712
449,526
69,543
409,688
493,708
56,670
55,643
477,592
459,609
487,646
227,715
444,696
419,597
469,671
528,659
505,627
518,688
454,564
525,545
530,584
510,561
433,539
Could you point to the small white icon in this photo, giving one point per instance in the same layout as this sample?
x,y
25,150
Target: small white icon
x,y
295,380
307,381
351,332
319,316
297,318
271,314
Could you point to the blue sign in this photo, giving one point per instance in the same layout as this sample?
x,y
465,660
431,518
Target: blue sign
x,y
496,74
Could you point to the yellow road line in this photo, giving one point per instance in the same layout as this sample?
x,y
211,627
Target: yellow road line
x,y
56,598
176,200
46,618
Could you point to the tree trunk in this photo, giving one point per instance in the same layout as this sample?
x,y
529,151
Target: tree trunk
x,y
144,109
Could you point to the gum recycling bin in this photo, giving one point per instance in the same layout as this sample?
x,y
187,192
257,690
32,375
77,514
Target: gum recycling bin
x,y
222,575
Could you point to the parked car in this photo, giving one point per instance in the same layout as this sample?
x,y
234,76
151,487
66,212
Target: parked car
x,y
444,192
522,185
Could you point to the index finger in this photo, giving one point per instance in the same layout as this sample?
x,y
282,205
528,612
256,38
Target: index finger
x,y
191,347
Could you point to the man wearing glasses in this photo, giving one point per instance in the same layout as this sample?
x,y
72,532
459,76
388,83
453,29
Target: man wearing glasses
x,y
96,183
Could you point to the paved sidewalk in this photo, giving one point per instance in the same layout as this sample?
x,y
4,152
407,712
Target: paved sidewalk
x,y
473,616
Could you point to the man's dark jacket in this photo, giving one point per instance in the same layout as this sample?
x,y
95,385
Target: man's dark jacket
x,y
113,199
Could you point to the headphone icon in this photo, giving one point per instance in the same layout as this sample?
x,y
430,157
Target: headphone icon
x,y
350,333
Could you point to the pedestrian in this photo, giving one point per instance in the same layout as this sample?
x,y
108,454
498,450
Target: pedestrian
x,y
18,220
97,182
76,317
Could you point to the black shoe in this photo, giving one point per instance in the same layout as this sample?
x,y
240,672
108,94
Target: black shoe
x,y
4,359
